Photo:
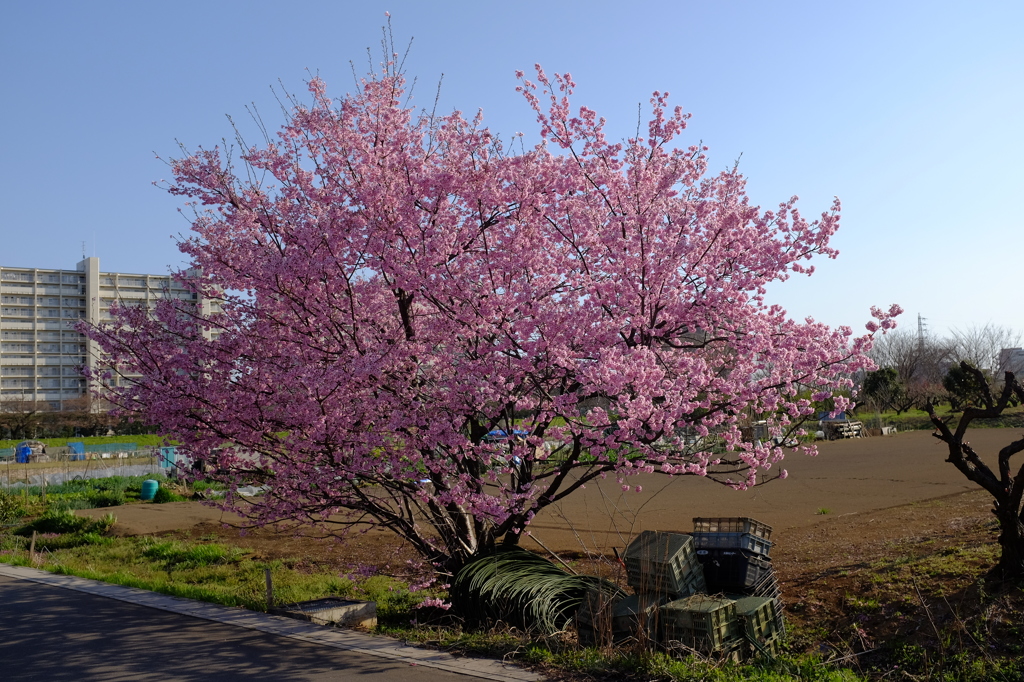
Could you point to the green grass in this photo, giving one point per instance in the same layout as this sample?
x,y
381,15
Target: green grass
x,y
141,441
204,571
911,420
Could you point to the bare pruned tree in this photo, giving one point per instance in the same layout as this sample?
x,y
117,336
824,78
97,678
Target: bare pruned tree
x,y
919,365
1005,485
979,346
21,416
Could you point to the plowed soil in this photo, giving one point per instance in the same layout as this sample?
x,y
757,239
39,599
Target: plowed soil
x,y
847,505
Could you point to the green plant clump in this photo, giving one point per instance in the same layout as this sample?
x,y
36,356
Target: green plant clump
x,y
11,508
520,588
53,543
62,520
177,555
107,498
163,495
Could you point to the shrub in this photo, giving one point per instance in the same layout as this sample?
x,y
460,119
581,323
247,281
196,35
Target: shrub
x,y
167,495
107,498
10,508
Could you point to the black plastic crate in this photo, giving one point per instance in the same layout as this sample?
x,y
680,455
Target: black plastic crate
x,y
728,570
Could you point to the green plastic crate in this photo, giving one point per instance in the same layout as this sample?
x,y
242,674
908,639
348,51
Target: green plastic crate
x,y
601,622
761,617
753,649
707,624
664,563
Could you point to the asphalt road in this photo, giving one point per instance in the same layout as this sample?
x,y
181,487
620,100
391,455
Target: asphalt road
x,y
54,634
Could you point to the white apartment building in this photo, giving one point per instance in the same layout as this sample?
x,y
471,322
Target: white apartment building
x,y
1011,360
41,352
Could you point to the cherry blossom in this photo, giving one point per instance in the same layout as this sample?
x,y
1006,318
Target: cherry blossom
x,y
428,332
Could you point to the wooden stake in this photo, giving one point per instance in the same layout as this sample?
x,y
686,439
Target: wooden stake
x,y
270,588
32,550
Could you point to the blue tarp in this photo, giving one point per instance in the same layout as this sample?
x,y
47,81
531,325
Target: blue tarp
x,y
21,454
500,435
77,448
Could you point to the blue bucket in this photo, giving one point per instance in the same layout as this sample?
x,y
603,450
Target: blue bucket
x,y
149,488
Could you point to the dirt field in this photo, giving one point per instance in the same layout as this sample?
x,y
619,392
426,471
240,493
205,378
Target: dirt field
x,y
832,508
847,477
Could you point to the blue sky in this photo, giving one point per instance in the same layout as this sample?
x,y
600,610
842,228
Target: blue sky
x,y
910,112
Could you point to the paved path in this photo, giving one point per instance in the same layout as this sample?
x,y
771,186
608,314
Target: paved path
x,y
58,628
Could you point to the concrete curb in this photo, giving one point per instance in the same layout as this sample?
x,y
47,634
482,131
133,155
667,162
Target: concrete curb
x,y
281,626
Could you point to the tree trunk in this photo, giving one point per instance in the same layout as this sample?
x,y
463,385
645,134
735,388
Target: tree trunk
x,y
1011,538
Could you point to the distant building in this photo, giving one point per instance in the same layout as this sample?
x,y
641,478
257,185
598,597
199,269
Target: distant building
x,y
1011,360
41,352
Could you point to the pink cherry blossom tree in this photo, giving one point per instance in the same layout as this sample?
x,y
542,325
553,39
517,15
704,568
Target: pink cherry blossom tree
x,y
426,331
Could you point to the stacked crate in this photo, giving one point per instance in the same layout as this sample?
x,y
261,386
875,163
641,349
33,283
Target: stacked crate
x,y
702,623
734,553
713,591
